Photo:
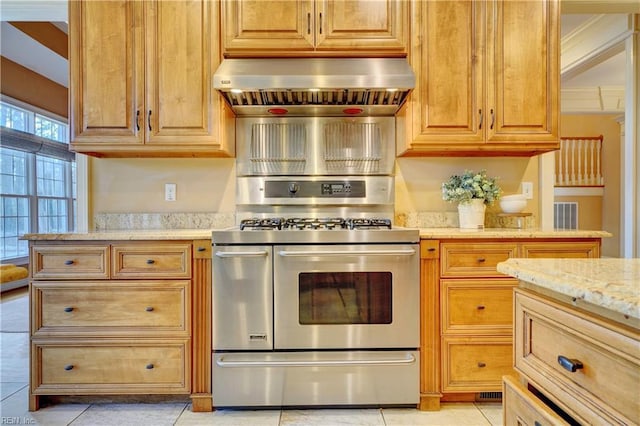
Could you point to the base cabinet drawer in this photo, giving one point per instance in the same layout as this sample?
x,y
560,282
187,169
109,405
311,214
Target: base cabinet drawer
x,y
111,307
477,306
521,407
475,364
112,367
86,262
573,357
132,261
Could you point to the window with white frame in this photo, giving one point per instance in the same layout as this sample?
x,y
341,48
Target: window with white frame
x,y
38,191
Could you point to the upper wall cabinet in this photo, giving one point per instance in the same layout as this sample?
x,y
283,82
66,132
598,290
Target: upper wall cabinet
x,y
487,77
141,79
258,28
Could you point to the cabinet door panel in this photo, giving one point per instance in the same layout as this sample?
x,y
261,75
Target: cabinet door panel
x,y
180,59
105,59
255,25
524,91
361,24
449,87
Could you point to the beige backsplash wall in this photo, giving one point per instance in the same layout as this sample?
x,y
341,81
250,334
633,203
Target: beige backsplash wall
x,y
136,185
419,180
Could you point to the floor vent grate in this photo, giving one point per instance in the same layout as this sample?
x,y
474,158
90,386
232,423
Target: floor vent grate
x,y
489,396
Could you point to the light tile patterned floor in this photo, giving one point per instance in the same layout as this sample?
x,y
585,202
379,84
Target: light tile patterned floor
x,y
14,344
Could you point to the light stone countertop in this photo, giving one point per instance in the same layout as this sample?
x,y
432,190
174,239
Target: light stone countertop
x,y
443,233
611,284
205,233
146,234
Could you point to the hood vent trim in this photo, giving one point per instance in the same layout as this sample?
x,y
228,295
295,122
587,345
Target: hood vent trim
x,y
315,86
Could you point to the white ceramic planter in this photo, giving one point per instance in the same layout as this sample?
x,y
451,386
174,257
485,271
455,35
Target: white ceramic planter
x,y
471,214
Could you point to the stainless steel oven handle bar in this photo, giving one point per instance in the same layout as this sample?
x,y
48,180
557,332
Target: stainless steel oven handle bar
x,y
291,253
409,359
242,253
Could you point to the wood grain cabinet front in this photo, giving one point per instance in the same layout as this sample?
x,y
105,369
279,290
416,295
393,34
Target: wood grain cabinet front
x,y
118,366
139,89
113,308
467,311
487,79
524,409
571,357
121,317
56,261
314,28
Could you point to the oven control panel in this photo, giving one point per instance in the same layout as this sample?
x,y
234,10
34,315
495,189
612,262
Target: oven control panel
x,y
309,189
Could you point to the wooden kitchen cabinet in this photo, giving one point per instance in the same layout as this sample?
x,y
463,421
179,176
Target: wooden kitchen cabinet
x,y
253,28
121,317
467,312
604,390
140,80
487,79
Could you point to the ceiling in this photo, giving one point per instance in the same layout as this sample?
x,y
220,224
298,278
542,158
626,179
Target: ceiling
x,y
20,48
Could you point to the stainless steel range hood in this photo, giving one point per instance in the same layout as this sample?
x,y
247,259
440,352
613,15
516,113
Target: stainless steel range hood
x,y
315,86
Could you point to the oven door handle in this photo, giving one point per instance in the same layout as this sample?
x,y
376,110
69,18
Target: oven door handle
x,y
401,252
408,359
259,253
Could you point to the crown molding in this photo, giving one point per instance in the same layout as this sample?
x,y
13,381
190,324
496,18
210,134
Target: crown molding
x,y
599,99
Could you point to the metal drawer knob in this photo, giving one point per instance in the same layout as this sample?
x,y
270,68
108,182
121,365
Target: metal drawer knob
x,y
201,249
481,260
68,309
150,261
149,366
482,364
431,249
149,308
68,367
68,262
480,307
571,365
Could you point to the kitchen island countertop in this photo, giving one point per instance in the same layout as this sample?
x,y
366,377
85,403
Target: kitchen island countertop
x,y
607,286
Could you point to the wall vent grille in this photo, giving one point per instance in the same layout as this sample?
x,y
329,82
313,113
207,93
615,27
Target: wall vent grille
x,y
565,215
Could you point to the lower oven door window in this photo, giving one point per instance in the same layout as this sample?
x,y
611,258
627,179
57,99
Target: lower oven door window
x,y
344,298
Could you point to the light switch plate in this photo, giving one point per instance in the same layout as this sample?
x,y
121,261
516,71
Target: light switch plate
x,y
169,191
527,190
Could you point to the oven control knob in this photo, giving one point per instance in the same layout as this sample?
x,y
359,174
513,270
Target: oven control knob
x,y
293,187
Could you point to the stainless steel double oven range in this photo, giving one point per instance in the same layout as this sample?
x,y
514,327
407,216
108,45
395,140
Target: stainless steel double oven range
x,y
315,293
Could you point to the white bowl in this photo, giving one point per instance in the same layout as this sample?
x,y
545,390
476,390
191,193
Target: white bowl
x,y
513,203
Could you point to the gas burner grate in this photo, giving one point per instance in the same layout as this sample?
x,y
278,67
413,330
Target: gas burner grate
x,y
268,223
364,223
315,223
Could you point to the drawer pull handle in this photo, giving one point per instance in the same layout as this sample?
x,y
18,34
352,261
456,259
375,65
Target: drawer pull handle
x,y
149,366
480,307
150,261
149,309
201,249
482,364
536,423
68,367
571,365
431,249
481,260
68,309
68,262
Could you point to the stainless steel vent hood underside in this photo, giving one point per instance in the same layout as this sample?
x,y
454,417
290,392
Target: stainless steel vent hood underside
x,y
315,86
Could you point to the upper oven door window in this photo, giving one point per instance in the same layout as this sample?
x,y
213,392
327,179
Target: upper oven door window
x,y
345,298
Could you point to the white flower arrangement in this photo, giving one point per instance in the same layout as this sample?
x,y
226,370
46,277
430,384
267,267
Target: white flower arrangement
x,y
470,185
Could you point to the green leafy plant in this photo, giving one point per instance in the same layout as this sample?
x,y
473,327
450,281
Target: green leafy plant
x,y
471,185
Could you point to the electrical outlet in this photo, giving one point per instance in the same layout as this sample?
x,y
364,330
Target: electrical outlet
x,y
527,190
169,191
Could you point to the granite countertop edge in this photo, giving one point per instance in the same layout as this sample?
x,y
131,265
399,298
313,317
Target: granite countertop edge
x,y
609,283
443,233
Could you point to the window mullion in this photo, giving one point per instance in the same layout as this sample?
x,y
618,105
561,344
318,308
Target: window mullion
x,y
32,181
